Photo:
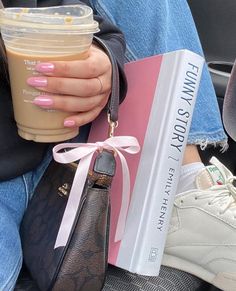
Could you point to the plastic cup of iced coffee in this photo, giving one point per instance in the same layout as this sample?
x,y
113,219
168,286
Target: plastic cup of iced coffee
x,y
34,35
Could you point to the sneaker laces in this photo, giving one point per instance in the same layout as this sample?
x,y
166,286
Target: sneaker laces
x,y
224,195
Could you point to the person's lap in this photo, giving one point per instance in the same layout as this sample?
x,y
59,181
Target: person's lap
x,y
14,197
13,201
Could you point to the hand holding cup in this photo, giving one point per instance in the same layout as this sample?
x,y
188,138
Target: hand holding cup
x,y
49,35
79,87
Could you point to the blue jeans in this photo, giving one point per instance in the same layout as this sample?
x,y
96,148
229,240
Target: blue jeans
x,y
14,197
158,26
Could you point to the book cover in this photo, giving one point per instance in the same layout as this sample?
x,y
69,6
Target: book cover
x,y
157,110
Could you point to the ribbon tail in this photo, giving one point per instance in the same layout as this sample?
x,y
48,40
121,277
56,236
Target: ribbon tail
x,y
73,202
120,228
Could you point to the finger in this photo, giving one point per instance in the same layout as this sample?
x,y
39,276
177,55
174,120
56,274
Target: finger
x,y
96,64
82,118
70,86
71,103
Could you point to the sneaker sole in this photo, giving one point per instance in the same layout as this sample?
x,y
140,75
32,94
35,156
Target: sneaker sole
x,y
224,281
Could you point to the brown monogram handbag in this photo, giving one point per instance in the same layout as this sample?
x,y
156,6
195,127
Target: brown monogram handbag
x,y
81,264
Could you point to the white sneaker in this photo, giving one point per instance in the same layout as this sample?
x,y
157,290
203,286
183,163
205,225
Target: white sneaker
x,y
202,233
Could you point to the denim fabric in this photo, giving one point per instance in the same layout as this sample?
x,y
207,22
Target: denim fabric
x,y
155,27
14,197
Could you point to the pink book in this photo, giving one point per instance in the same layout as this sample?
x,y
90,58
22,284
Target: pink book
x,y
157,110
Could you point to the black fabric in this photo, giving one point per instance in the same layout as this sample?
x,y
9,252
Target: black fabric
x,y
18,156
215,32
22,3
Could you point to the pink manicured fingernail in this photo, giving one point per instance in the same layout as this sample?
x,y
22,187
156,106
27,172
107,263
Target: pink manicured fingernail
x,y
43,100
44,67
37,81
69,123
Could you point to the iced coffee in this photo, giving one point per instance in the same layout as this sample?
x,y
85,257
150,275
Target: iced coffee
x,y
36,35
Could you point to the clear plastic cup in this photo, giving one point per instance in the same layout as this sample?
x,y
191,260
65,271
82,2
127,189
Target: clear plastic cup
x,y
34,35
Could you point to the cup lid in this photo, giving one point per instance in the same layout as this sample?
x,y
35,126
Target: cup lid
x,y
61,18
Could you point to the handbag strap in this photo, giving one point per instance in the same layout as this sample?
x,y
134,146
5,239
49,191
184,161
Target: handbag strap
x,y
113,103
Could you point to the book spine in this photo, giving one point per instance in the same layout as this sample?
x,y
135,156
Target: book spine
x,y
156,182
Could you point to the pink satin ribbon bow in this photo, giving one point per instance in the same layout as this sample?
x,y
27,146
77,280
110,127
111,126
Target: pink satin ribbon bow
x,y
84,152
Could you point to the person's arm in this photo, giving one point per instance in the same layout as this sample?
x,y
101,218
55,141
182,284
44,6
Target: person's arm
x,y
109,34
114,40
